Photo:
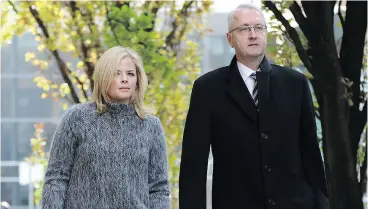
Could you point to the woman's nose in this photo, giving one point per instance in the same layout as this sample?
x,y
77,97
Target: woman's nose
x,y
124,78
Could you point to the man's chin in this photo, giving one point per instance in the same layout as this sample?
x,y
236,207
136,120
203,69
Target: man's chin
x,y
255,54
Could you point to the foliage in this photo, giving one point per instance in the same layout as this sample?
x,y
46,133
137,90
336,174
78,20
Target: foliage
x,y
38,156
72,35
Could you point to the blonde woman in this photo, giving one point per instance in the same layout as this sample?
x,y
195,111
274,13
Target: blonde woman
x,y
109,153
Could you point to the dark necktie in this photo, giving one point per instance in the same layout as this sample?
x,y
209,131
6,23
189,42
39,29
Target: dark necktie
x,y
255,90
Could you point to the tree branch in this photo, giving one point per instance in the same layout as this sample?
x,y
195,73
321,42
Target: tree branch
x,y
121,4
81,83
351,56
363,170
156,6
124,23
89,19
302,21
292,32
13,6
340,15
62,66
183,13
110,23
308,10
84,48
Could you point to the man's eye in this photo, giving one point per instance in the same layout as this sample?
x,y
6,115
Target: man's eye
x,y
259,28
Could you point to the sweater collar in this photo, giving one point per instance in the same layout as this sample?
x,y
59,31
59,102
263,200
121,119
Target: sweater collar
x,y
119,108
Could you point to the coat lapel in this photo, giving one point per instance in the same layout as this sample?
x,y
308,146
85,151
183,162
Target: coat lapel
x,y
264,82
239,91
264,89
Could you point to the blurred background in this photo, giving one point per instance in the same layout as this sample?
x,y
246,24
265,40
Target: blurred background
x,y
49,49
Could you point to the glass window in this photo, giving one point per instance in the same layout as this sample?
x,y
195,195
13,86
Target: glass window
x,y
15,139
14,194
216,45
9,171
20,97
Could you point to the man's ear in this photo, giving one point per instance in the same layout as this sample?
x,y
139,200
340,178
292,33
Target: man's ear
x,y
228,37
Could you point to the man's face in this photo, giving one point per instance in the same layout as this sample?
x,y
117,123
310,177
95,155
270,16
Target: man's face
x,y
248,42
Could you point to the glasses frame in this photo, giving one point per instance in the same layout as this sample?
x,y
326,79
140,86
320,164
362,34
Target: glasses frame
x,y
264,28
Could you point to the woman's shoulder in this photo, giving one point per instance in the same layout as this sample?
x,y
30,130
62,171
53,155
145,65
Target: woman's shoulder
x,y
78,111
153,121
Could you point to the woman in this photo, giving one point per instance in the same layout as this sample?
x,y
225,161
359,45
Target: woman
x,y
109,153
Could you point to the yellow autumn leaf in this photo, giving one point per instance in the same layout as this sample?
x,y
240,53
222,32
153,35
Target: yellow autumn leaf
x,y
70,47
85,87
83,78
65,106
80,64
61,14
44,65
38,38
41,47
29,56
93,55
64,89
43,95
46,87
36,62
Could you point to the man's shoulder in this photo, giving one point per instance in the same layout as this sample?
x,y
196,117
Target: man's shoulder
x,y
286,72
213,76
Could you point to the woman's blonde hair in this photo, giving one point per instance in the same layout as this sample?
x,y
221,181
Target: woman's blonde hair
x,y
105,71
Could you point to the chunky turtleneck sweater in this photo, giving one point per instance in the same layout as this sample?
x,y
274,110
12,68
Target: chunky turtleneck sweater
x,y
113,160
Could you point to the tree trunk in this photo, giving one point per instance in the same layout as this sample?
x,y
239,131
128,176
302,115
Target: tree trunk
x,y
340,164
351,56
342,125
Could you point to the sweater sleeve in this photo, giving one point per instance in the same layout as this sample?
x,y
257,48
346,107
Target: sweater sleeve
x,y
60,162
159,192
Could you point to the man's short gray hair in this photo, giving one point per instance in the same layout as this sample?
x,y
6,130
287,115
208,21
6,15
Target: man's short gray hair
x,y
244,6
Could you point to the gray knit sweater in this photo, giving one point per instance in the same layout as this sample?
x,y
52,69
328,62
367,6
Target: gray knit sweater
x,y
115,161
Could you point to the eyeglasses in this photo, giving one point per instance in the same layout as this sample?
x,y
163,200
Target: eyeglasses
x,y
246,28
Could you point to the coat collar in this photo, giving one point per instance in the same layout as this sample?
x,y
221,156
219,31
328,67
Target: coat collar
x,y
239,92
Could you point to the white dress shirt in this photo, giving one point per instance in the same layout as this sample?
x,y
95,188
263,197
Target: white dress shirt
x,y
245,73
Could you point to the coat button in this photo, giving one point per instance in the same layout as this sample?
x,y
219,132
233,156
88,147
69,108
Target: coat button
x,y
268,169
271,202
265,136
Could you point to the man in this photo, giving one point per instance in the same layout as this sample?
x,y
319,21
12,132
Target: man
x,y
259,121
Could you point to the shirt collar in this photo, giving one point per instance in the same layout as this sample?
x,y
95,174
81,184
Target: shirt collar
x,y
245,72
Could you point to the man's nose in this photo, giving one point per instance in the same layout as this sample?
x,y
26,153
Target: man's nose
x,y
252,34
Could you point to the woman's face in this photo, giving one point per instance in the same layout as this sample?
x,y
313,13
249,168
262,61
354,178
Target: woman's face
x,y
124,84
